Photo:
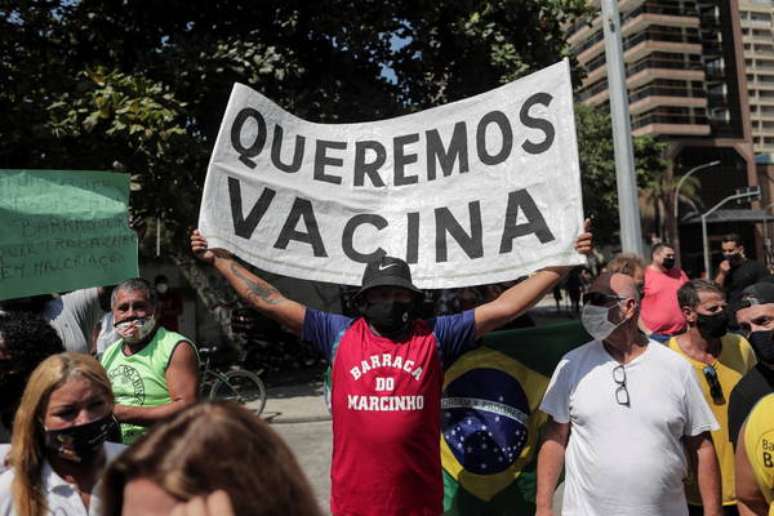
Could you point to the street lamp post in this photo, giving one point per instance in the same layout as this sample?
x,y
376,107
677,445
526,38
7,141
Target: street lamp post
x,y
628,202
676,202
705,242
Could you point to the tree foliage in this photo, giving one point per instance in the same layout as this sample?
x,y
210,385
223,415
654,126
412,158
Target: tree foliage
x,y
141,86
598,178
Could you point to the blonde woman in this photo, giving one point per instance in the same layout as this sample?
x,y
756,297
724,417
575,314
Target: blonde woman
x,y
58,445
210,459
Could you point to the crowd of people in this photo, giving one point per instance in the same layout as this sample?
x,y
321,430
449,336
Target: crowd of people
x,y
653,408
668,410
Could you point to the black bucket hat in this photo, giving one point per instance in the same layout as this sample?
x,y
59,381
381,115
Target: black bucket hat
x,y
387,271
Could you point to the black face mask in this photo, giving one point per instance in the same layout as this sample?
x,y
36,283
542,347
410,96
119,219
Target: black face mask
x,y
84,441
763,345
668,263
712,326
390,318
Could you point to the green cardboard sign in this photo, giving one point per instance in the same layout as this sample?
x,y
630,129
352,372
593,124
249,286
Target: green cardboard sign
x,y
63,230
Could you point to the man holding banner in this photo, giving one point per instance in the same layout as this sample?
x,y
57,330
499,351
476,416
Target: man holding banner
x,y
483,190
387,375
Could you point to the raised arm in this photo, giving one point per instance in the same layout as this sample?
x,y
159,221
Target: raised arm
x,y
520,297
723,269
256,291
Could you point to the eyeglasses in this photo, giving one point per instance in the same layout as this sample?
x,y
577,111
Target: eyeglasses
x,y
714,384
599,299
621,392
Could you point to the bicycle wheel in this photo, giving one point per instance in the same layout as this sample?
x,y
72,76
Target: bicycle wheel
x,y
241,386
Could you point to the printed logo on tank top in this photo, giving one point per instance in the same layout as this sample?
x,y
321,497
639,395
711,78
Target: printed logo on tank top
x,y
126,379
381,363
385,380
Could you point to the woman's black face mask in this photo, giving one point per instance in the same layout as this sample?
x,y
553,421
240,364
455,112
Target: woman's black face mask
x,y
80,443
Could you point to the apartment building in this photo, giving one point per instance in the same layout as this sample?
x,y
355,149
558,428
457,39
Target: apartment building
x,y
686,82
757,22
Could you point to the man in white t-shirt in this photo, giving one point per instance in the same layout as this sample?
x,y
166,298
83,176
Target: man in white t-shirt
x,y
624,411
75,315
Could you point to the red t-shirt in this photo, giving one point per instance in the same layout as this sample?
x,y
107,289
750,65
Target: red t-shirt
x,y
660,310
386,410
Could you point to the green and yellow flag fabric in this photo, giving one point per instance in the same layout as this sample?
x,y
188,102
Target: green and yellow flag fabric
x,y
490,419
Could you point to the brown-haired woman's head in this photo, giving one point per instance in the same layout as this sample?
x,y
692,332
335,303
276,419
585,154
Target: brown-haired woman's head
x,y
209,447
65,391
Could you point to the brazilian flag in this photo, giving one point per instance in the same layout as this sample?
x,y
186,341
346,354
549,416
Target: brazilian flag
x,y
490,422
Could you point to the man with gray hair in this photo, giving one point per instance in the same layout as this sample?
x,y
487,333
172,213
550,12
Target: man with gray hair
x,y
624,411
154,372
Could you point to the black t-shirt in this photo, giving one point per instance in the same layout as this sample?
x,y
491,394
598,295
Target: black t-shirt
x,y
740,277
753,386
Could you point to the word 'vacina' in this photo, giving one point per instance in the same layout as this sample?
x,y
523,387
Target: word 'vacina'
x,y
302,213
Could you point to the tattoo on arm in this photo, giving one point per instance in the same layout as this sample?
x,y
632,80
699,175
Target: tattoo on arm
x,y
258,292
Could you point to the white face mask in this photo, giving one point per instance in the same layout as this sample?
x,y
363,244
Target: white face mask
x,y
135,330
596,322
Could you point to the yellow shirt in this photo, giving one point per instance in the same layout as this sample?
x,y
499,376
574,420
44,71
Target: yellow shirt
x,y
736,358
759,445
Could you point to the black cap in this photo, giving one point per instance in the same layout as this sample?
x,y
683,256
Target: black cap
x,y
387,271
757,294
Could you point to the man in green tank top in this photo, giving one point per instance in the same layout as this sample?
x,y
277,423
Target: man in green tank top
x,y
154,372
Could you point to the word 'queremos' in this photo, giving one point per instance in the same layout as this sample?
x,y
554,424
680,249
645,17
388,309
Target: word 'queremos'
x,y
368,157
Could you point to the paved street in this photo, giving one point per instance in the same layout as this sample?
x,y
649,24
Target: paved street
x,y
299,415
311,443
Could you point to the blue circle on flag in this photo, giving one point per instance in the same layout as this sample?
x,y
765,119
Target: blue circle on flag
x,y
484,420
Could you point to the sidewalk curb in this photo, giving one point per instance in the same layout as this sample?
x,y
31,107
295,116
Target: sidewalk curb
x,y
279,420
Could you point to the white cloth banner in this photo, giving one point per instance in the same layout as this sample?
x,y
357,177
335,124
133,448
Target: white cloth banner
x,y
482,190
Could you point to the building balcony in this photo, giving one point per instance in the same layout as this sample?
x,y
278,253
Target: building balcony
x,y
646,47
647,99
648,71
647,75
755,24
765,40
645,20
631,10
675,129
652,101
640,50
